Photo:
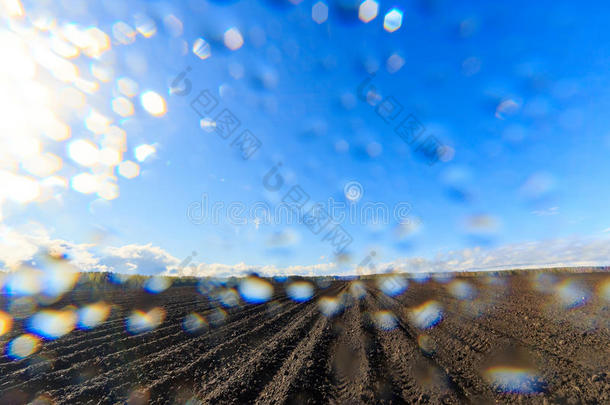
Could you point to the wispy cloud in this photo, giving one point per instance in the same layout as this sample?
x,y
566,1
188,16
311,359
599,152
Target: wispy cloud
x,y
547,212
551,253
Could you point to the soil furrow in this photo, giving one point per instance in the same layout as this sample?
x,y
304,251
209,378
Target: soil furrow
x,y
146,369
472,339
349,362
243,384
293,380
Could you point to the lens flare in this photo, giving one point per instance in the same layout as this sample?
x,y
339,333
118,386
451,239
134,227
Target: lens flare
x,y
52,324
201,48
145,25
97,123
394,63
118,278
85,183
392,284
507,108
43,399
319,12
173,25
57,281
368,10
108,190
110,157
209,285
43,165
604,290
127,87
143,151
6,323
300,291
322,282
155,285
357,290
93,315
227,297
217,317
22,307
103,73
544,282
462,290
330,306
141,321
153,103
207,124
23,282
83,152
233,39
22,189
194,323
514,380
13,8
122,106
123,33
385,320
255,290
138,395
426,344
22,346
426,315
392,20
129,169
571,294
495,281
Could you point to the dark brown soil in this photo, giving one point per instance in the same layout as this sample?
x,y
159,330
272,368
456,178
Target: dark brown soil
x,y
508,339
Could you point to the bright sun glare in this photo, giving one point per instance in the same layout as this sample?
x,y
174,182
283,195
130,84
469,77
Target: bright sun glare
x,y
49,74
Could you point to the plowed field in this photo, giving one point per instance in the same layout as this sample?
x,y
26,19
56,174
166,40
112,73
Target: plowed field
x,y
505,339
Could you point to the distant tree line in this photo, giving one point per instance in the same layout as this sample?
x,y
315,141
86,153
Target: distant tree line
x,y
109,280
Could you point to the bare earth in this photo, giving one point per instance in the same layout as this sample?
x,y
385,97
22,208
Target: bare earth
x,y
510,339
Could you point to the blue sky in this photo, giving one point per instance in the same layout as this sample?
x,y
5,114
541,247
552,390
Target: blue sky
x,y
517,93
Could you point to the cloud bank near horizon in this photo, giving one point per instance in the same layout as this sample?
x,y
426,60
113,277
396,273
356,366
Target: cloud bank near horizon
x,y
31,244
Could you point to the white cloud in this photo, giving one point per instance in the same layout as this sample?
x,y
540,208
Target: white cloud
x,y
549,253
141,259
32,242
241,269
15,247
